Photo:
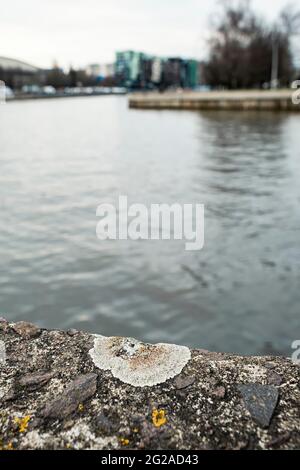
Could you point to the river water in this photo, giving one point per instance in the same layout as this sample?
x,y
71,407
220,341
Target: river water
x,y
61,158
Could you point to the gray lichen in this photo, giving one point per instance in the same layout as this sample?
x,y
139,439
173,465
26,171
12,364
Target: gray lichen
x,y
136,363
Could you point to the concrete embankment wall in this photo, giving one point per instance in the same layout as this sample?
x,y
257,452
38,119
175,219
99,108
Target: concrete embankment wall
x,y
248,100
75,390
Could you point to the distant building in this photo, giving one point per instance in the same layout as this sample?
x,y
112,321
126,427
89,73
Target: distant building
x,y
16,73
108,70
139,70
173,72
157,68
13,64
145,76
93,70
192,73
128,67
100,70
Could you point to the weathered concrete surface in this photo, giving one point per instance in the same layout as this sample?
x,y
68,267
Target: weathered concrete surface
x,y
276,100
53,396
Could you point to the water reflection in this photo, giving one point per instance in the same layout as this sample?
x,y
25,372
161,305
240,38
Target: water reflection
x,y
60,159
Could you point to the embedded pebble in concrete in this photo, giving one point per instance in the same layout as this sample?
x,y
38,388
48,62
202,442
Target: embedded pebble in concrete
x,y
139,364
260,401
2,353
36,380
26,330
183,382
3,324
77,392
219,392
273,378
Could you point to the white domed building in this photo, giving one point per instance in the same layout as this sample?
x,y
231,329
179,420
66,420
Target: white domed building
x,y
16,73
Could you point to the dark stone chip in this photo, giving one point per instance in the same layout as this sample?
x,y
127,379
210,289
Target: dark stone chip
x,y
36,380
280,440
260,401
72,332
78,391
181,382
273,378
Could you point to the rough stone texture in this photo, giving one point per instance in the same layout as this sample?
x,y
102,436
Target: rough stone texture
x,y
25,329
181,382
75,394
204,406
260,401
35,380
2,353
3,324
219,392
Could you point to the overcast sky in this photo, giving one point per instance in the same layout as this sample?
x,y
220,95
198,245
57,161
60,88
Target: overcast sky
x,y
79,32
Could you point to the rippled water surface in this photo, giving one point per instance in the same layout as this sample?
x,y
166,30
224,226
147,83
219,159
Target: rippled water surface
x,y
59,159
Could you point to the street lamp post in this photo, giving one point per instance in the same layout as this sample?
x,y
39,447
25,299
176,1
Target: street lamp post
x,y
275,61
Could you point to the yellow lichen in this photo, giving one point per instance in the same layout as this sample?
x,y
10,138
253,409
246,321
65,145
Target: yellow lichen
x,y
135,430
159,418
8,446
22,423
80,407
124,441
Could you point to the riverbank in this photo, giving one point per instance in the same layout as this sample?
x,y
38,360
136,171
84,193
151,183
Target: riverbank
x,y
42,96
73,390
278,100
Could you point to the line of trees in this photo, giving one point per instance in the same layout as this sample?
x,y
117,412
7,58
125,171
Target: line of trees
x,y
247,52
58,78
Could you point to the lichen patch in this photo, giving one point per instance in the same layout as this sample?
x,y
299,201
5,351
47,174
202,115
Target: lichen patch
x,y
136,363
158,418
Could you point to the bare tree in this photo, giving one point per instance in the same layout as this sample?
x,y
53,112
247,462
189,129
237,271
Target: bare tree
x,y
290,20
246,52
